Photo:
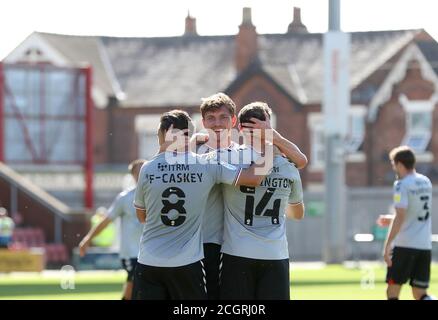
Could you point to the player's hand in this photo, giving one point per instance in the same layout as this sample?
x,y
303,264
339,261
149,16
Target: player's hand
x,y
199,138
83,246
257,128
387,256
384,220
260,128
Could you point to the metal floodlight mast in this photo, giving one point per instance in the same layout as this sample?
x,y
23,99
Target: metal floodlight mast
x,y
336,101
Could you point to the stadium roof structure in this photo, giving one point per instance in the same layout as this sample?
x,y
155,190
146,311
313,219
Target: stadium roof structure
x,y
12,178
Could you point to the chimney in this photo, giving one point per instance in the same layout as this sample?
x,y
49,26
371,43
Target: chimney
x,y
296,26
246,42
190,29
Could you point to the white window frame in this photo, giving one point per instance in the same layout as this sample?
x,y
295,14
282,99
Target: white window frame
x,y
146,127
418,106
316,127
353,143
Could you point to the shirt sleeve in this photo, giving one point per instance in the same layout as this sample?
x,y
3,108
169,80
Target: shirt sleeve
x,y
296,194
400,195
226,173
116,209
139,201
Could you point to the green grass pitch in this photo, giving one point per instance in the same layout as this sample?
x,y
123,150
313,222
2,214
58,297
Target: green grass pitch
x,y
316,283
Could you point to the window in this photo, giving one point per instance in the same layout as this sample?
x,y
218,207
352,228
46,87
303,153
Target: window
x,y
418,123
146,127
419,127
356,129
317,151
354,139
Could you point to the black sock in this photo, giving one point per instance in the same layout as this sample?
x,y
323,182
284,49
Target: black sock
x,y
395,298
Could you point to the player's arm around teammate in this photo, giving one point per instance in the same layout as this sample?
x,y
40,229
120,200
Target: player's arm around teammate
x,y
251,177
288,148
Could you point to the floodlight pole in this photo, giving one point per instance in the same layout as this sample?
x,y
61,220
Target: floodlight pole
x,y
335,110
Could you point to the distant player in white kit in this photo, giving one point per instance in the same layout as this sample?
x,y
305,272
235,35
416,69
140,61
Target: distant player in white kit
x,y
131,229
408,246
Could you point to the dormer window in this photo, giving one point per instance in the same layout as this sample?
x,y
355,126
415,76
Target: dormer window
x,y
356,129
418,123
33,55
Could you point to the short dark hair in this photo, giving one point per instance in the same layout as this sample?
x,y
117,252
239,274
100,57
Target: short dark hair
x,y
134,164
178,118
216,101
257,110
404,155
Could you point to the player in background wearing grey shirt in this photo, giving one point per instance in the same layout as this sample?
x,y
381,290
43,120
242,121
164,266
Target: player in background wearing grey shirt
x,y
170,198
131,229
219,117
408,246
255,248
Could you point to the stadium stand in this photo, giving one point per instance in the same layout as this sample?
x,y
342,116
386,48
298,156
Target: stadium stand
x,y
56,254
44,221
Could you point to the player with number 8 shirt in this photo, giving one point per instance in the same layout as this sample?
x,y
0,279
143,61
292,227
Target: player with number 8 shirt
x,y
169,262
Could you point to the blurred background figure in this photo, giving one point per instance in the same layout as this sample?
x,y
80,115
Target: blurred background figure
x,y
6,228
106,237
130,231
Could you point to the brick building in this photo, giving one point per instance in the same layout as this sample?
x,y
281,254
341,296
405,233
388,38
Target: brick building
x,y
393,75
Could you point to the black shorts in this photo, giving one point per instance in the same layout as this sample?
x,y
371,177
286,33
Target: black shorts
x,y
170,283
212,264
129,266
410,264
254,279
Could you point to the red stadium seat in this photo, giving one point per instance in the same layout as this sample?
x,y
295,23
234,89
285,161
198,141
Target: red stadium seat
x,y
55,253
37,237
28,237
19,238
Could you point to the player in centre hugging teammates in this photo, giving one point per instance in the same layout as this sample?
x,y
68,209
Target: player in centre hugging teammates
x,y
214,220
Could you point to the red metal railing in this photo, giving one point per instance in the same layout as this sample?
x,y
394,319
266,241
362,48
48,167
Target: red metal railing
x,y
40,143
88,141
